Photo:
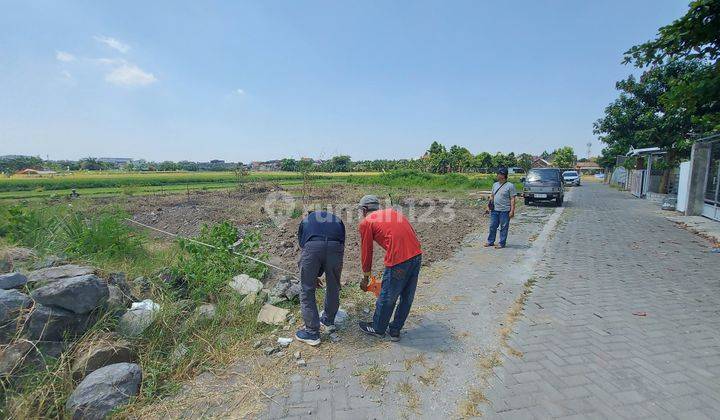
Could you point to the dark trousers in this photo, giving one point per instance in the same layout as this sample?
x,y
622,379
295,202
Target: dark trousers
x,y
399,282
499,219
320,257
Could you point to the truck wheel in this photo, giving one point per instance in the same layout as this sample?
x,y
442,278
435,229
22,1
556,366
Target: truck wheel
x,y
527,201
559,201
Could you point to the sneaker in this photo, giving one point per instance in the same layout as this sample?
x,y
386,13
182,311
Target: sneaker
x,y
487,244
394,336
368,329
499,246
328,328
308,337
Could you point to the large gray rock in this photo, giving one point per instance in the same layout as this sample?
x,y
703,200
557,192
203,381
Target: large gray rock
x,y
79,294
104,390
293,291
12,303
12,280
12,306
136,320
54,324
117,301
279,289
24,353
100,353
244,284
14,357
51,274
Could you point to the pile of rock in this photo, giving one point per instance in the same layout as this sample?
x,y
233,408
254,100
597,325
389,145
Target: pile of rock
x,y
286,289
43,311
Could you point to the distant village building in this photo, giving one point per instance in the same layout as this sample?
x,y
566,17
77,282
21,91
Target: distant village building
x,y
266,166
36,172
115,161
588,167
539,162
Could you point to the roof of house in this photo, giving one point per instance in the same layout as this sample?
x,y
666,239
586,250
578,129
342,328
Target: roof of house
x,y
587,165
36,171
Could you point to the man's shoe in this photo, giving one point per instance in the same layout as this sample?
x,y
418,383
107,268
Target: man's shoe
x,y
308,337
394,336
368,329
499,246
487,244
328,328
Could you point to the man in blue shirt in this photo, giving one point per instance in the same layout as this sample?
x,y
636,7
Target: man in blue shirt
x,y
321,236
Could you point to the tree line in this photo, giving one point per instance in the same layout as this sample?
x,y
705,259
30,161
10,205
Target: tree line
x,y
437,159
676,99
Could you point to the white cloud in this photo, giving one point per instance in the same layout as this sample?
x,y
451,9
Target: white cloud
x,y
113,43
128,74
240,92
64,56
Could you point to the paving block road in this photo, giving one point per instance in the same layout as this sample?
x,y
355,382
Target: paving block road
x,y
621,319
623,322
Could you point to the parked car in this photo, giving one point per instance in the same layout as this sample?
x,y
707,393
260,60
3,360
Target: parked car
x,y
543,184
571,178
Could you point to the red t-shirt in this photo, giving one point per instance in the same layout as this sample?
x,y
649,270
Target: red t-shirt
x,y
393,232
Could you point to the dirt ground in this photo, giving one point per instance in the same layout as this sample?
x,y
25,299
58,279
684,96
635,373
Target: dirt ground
x,y
441,220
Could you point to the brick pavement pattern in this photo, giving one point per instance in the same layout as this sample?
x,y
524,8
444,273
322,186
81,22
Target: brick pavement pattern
x,y
624,321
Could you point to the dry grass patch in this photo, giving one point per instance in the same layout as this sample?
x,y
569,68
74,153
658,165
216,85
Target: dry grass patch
x,y
417,360
374,376
411,396
490,361
513,315
431,376
468,408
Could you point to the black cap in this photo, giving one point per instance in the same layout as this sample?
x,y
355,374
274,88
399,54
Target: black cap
x,y
502,171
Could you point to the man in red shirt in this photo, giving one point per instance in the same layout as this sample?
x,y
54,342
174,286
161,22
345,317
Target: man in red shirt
x,y
394,233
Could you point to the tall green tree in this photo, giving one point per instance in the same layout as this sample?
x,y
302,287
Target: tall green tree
x,y
340,164
524,161
641,118
11,165
459,159
564,157
694,37
482,161
438,159
288,164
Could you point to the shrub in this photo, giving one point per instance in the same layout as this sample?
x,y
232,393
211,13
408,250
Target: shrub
x,y
205,271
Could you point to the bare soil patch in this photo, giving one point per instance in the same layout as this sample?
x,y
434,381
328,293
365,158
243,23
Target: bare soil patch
x,y
440,223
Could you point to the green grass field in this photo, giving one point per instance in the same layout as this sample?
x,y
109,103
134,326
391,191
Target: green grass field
x,y
103,184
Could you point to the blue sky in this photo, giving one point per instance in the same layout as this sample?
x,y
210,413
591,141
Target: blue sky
x,y
246,81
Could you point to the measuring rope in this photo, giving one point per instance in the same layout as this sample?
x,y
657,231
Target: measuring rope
x,y
175,235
